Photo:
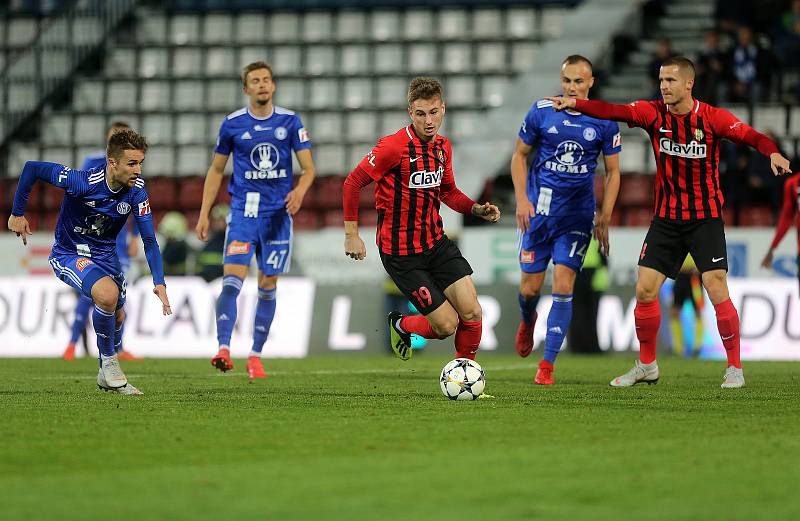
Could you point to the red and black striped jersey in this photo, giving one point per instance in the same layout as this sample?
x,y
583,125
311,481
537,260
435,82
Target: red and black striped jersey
x,y
790,211
412,177
686,149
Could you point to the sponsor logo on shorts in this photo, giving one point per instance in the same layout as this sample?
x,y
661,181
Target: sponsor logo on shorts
x,y
644,251
82,263
238,248
527,257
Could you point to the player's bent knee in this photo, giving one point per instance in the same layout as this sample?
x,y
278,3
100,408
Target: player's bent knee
x,y
474,314
105,296
445,328
646,294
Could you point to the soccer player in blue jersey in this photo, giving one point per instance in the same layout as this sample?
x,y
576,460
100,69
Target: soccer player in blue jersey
x,y
556,205
96,206
261,137
127,247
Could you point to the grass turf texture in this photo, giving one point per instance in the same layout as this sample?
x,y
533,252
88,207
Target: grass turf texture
x,y
373,438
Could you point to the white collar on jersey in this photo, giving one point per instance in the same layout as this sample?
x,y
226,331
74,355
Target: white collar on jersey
x,y
261,118
109,186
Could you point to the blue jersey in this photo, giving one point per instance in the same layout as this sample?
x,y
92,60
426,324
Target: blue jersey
x,y
98,161
561,177
92,214
262,158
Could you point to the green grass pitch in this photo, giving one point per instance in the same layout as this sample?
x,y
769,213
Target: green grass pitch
x,y
335,437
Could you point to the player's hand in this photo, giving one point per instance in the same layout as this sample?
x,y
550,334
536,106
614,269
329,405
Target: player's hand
x,y
525,211
202,227
19,225
354,247
601,232
487,212
161,292
779,164
561,103
767,262
294,200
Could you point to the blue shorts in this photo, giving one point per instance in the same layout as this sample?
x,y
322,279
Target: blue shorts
x,y
81,273
270,238
564,239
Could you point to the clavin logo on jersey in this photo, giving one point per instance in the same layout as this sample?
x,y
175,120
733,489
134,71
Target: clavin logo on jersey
x,y
426,179
693,150
265,158
568,156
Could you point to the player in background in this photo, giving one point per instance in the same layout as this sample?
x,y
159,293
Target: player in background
x,y
127,247
685,135
413,174
789,210
261,137
556,204
95,208
687,287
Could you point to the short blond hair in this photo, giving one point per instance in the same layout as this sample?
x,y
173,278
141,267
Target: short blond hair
x,y
125,139
250,67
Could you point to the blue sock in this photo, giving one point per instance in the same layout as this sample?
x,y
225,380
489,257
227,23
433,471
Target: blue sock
x,y
527,307
118,337
81,314
265,312
226,308
104,323
557,323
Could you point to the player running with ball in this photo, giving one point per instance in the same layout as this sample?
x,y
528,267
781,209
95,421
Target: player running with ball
x,y
413,174
686,135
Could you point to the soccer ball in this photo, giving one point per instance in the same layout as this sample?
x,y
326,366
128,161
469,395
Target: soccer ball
x,y
462,379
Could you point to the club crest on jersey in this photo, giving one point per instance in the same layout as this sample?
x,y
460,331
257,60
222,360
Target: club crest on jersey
x,y
82,263
568,157
426,179
238,248
441,156
280,133
698,134
123,208
693,150
265,158
589,134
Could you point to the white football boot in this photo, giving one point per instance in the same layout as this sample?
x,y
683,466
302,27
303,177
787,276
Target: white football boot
x,y
734,378
647,373
111,378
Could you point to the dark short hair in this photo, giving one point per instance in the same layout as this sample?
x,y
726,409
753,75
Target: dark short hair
x,y
574,59
117,125
125,139
424,88
682,62
250,67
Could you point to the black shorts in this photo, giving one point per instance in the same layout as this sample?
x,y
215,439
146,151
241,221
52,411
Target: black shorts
x,y
667,243
682,290
423,277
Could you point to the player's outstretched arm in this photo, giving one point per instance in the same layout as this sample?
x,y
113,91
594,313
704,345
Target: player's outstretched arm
x,y
52,173
636,114
210,190
784,223
519,176
161,292
294,199
728,126
353,245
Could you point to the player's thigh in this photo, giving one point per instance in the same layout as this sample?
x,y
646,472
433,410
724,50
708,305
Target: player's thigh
x,y
706,241
416,283
716,284
463,296
535,249
571,242
563,279
83,274
446,264
275,244
664,248
241,240
648,284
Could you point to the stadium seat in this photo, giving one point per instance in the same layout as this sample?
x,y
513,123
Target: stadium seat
x,y
328,191
63,155
491,57
456,57
249,28
155,95
158,128
186,61
193,159
323,93
284,27
350,25
461,91
637,217
356,153
418,24
392,121
333,219
292,95
464,122
190,129
89,130
326,126
385,25
330,160
252,53
223,95
388,95
422,58
153,62
487,23
57,130
493,90
305,219
162,193
320,60
388,58
453,23
217,28
22,95
22,32
88,96
354,59
755,216
121,63
185,29
317,26
636,190
188,95
55,63
361,125
286,59
190,194
151,27
771,118
86,30
160,161
357,93
220,62
521,23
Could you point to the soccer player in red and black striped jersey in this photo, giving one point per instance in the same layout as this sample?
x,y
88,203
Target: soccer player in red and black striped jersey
x,y
686,135
790,210
413,174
